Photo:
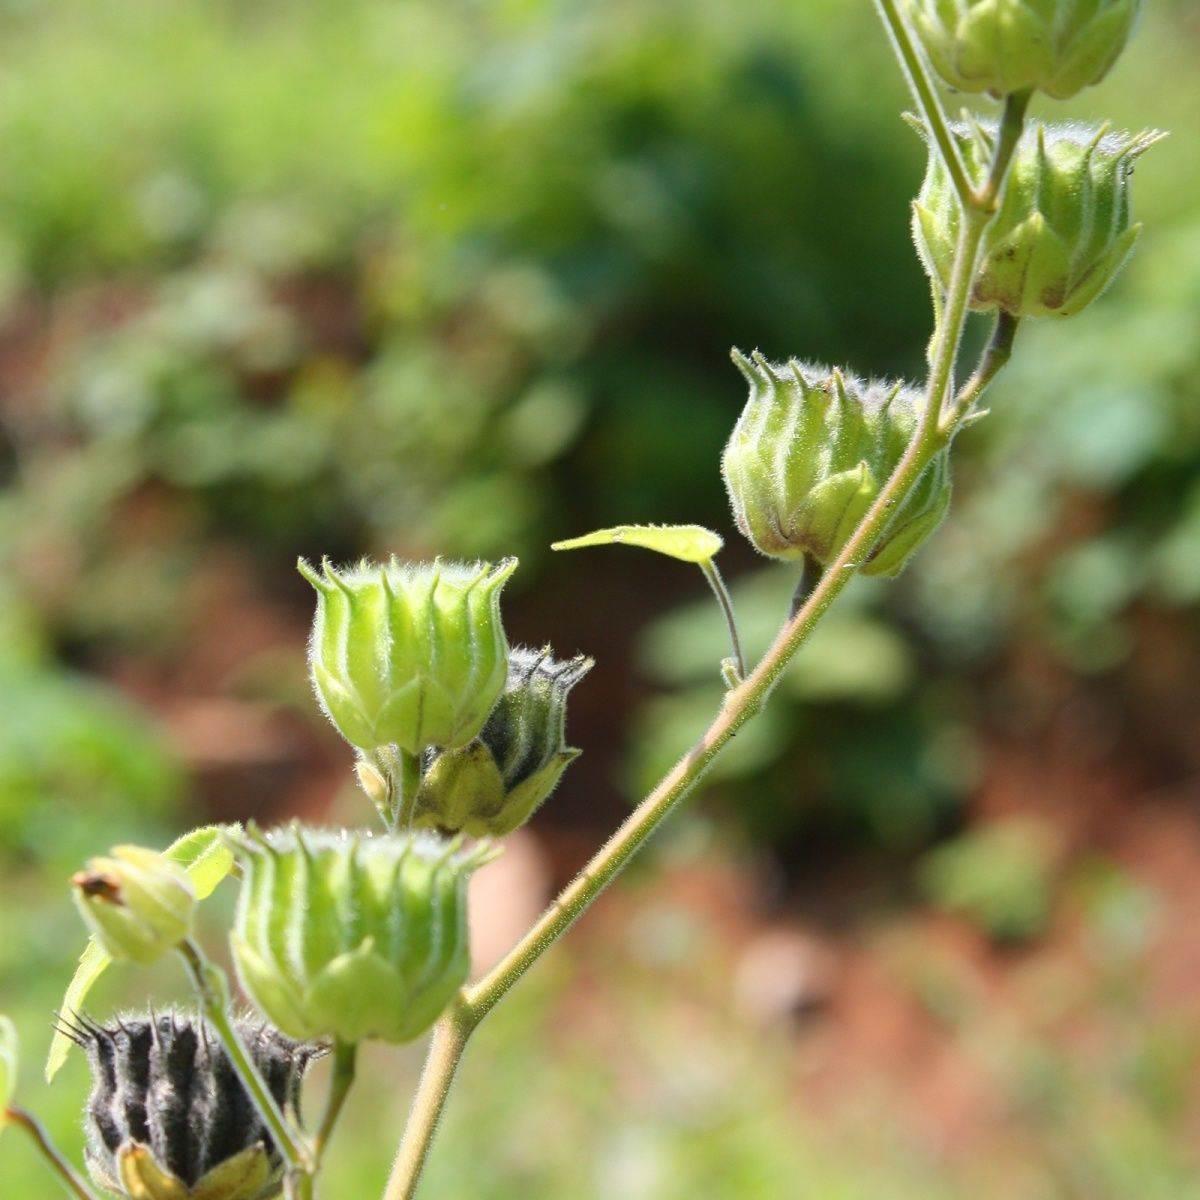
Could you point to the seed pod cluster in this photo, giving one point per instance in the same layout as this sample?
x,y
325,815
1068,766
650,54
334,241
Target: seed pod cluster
x,y
410,654
168,1118
1003,46
809,455
494,784
1064,227
348,936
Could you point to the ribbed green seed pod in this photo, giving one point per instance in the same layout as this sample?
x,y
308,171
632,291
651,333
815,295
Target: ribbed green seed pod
x,y
411,654
349,936
1003,46
1063,230
495,784
809,454
137,904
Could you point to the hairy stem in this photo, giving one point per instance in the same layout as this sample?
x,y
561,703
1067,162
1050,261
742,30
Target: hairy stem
x,y
745,701
926,96
212,989
446,1047
345,1064
71,1178
993,360
810,576
717,582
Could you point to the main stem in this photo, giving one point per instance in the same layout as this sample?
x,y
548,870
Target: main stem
x,y
743,702
57,1162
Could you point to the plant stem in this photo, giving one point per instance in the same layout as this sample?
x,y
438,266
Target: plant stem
x,y
405,800
213,990
995,356
743,702
41,1139
345,1062
810,574
715,580
926,96
446,1047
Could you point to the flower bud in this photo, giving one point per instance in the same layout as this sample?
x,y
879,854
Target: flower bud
x,y
1002,46
1063,230
496,783
349,936
9,1061
137,904
408,654
809,455
168,1117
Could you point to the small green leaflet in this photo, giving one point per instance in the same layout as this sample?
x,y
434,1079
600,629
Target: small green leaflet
x,y
691,543
206,857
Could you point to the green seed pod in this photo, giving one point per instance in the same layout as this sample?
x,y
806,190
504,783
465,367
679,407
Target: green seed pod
x,y
137,903
168,1117
809,454
1002,46
349,936
1063,230
9,1061
496,783
409,654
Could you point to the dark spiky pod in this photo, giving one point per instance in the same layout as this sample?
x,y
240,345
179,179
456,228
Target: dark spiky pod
x,y
168,1117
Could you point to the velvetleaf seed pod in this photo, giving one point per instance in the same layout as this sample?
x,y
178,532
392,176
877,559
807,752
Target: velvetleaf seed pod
x,y
1063,230
410,654
168,1118
1003,46
809,454
495,783
349,936
137,903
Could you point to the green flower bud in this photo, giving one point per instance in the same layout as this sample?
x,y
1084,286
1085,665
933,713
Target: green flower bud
x,y
168,1117
137,904
494,784
1063,230
409,654
809,455
1002,46
349,936
9,1062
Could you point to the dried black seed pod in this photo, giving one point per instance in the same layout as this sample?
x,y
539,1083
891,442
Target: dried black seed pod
x,y
168,1117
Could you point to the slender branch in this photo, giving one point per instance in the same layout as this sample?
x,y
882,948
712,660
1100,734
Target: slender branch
x,y
745,701
810,576
715,580
345,1064
926,96
1012,124
213,990
446,1048
55,1159
993,360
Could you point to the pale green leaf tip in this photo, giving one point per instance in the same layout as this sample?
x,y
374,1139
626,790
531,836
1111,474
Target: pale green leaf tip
x,y
688,543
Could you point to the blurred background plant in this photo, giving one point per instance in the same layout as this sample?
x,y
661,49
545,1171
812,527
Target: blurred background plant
x,y
397,276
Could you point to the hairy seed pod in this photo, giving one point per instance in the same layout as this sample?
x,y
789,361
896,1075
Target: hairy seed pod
x,y
1063,230
1003,46
495,783
809,455
411,654
348,936
168,1118
137,904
